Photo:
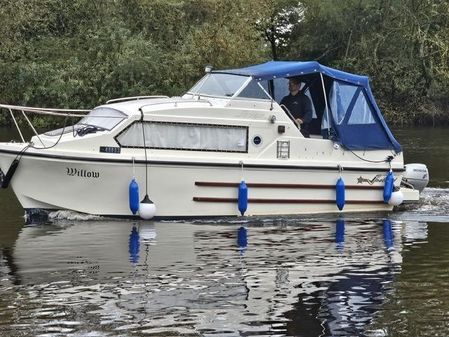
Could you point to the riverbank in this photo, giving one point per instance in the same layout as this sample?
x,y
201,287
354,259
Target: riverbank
x,y
425,112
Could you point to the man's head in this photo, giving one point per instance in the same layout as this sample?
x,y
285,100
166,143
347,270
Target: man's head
x,y
294,84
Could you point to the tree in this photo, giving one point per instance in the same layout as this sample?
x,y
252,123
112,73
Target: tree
x,y
276,21
401,44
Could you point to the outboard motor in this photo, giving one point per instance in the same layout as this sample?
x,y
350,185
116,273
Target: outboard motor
x,y
416,175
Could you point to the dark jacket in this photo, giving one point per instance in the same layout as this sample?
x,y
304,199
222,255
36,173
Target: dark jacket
x,y
300,106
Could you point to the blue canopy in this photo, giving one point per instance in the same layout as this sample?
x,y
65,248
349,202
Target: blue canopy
x,y
355,118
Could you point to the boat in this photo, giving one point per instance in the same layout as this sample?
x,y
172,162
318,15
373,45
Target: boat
x,y
224,148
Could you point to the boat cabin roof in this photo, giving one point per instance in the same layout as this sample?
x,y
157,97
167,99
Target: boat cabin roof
x,y
284,69
343,103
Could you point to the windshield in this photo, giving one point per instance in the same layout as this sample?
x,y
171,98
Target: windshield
x,y
227,85
103,118
256,90
216,84
100,118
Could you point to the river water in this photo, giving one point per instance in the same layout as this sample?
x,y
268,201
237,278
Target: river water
x,y
377,274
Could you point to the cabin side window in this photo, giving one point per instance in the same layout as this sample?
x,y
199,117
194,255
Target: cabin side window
x,y
362,111
183,136
348,104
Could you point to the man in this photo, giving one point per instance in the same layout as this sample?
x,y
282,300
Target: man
x,y
299,106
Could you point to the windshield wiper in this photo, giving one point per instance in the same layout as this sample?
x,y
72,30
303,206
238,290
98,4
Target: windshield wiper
x,y
88,128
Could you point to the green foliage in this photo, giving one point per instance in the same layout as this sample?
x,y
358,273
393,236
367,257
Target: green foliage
x,y
401,44
79,53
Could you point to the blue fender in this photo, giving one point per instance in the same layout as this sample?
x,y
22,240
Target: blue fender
x,y
243,197
134,196
388,187
340,193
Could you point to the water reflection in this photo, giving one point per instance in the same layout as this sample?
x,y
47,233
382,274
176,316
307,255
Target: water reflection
x,y
145,234
134,245
242,239
344,303
314,278
340,234
388,234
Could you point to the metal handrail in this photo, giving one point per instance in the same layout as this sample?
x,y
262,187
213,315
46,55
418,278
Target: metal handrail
x,y
40,111
175,102
46,111
115,100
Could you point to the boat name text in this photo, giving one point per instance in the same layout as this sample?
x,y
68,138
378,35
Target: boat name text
x,y
74,172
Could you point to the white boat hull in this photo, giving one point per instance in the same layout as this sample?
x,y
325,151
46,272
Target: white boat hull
x,y
190,189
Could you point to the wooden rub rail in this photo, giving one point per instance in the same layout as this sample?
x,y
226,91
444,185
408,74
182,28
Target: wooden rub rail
x,y
286,201
289,186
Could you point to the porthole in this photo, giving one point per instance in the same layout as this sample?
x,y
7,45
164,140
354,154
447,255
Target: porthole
x,y
257,140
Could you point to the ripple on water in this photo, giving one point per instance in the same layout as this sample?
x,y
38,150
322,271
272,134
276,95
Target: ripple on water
x,y
432,207
204,279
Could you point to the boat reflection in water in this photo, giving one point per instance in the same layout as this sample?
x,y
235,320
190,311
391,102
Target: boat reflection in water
x,y
264,277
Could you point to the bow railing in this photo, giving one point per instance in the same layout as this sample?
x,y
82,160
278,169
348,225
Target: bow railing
x,y
40,111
